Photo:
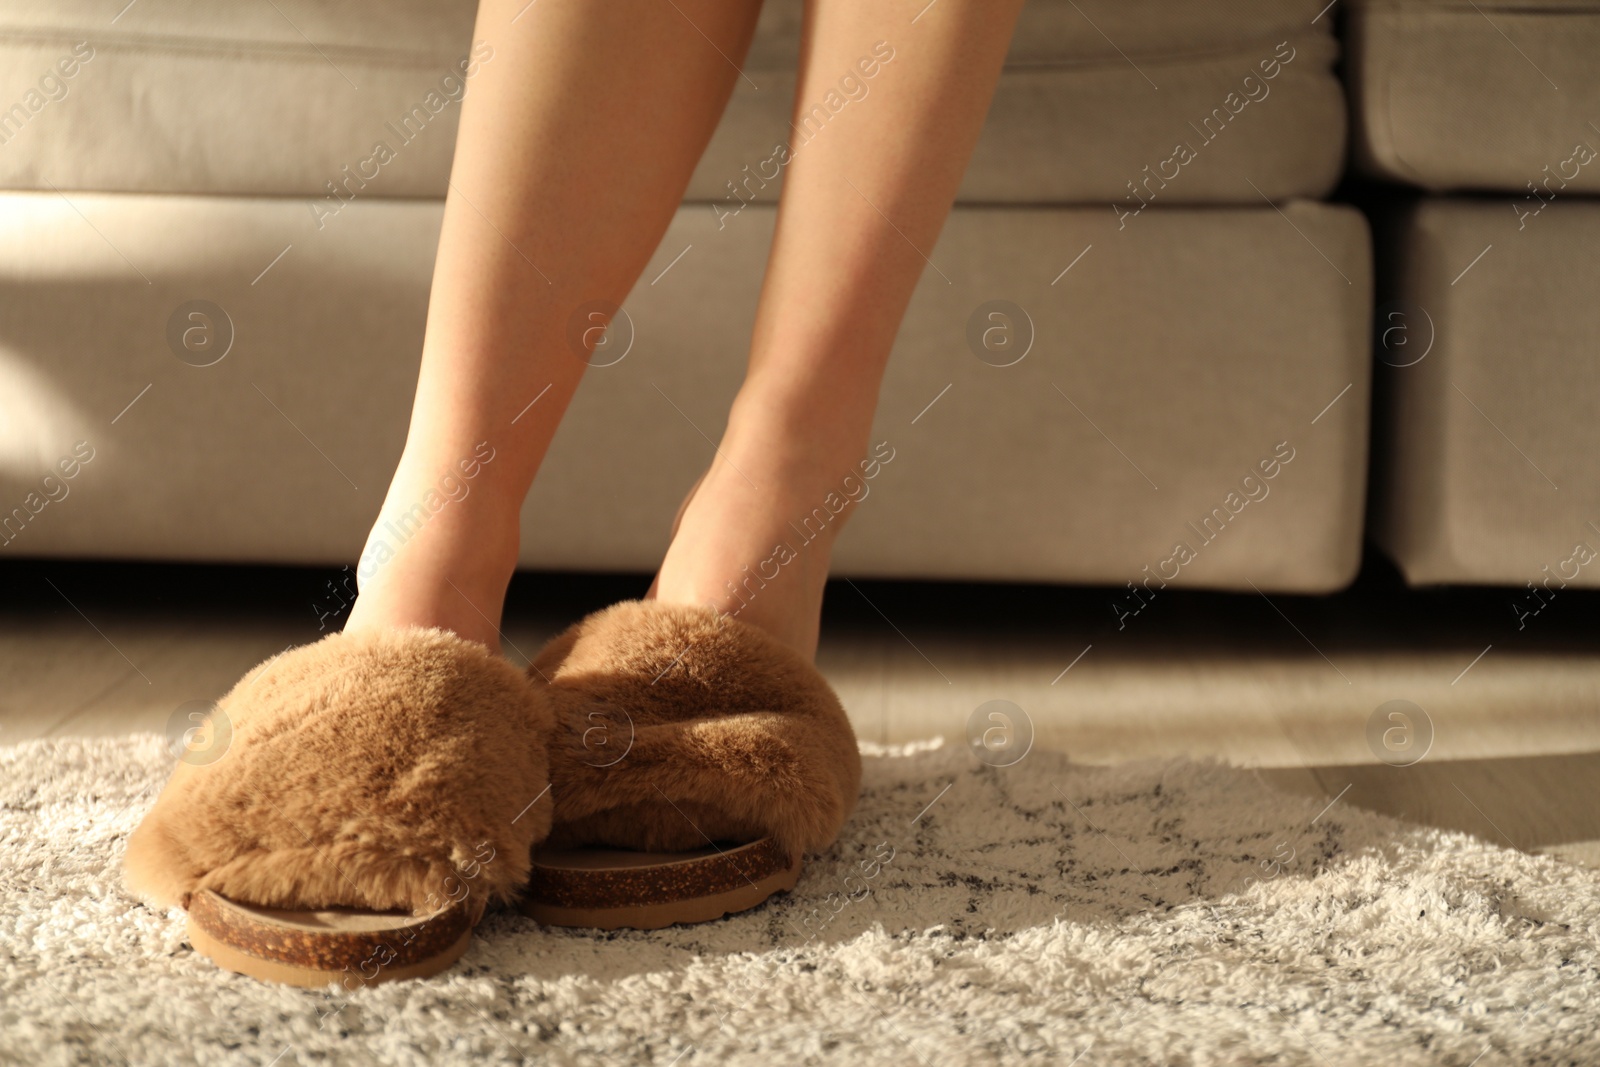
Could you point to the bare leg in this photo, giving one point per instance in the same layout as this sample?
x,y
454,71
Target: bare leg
x,y
863,201
578,136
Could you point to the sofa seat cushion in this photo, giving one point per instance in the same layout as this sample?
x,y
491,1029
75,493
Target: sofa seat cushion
x,y
1489,448
1199,378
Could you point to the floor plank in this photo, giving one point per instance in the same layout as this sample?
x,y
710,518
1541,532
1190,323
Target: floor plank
x,y
1531,803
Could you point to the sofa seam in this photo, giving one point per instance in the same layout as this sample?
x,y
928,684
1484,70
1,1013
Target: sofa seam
x,y
219,48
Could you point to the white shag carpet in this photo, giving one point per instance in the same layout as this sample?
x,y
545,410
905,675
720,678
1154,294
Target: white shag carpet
x,y
1171,913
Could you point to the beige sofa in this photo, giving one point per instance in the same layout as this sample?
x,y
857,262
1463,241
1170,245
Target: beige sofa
x,y
1144,203
1487,317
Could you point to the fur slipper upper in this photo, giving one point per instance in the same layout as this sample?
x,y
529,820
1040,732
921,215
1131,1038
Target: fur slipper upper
x,y
677,726
381,771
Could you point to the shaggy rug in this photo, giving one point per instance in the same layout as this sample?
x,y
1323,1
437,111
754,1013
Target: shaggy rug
x,y
1158,913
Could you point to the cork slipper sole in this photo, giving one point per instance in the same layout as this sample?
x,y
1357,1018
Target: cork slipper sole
x,y
612,889
375,793
313,948
677,730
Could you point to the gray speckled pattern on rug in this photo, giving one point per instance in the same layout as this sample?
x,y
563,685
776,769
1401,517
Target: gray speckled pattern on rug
x,y
1156,913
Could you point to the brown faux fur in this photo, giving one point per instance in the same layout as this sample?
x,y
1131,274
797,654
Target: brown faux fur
x,y
377,771
733,735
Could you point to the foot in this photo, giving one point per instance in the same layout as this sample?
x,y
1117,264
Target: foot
x,y
755,538
442,551
358,771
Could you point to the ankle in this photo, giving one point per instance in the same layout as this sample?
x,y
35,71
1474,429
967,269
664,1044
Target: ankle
x,y
442,561
755,543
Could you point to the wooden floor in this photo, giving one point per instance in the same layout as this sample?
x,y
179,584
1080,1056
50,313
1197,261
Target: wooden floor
x,y
1289,685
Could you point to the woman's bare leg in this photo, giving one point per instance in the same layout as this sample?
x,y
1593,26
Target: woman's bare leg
x,y
578,136
863,202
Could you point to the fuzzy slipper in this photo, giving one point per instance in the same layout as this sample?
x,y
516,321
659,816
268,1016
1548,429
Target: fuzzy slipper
x,y
695,759
375,793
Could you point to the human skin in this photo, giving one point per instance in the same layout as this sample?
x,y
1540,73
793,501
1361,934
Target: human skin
x,y
576,145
